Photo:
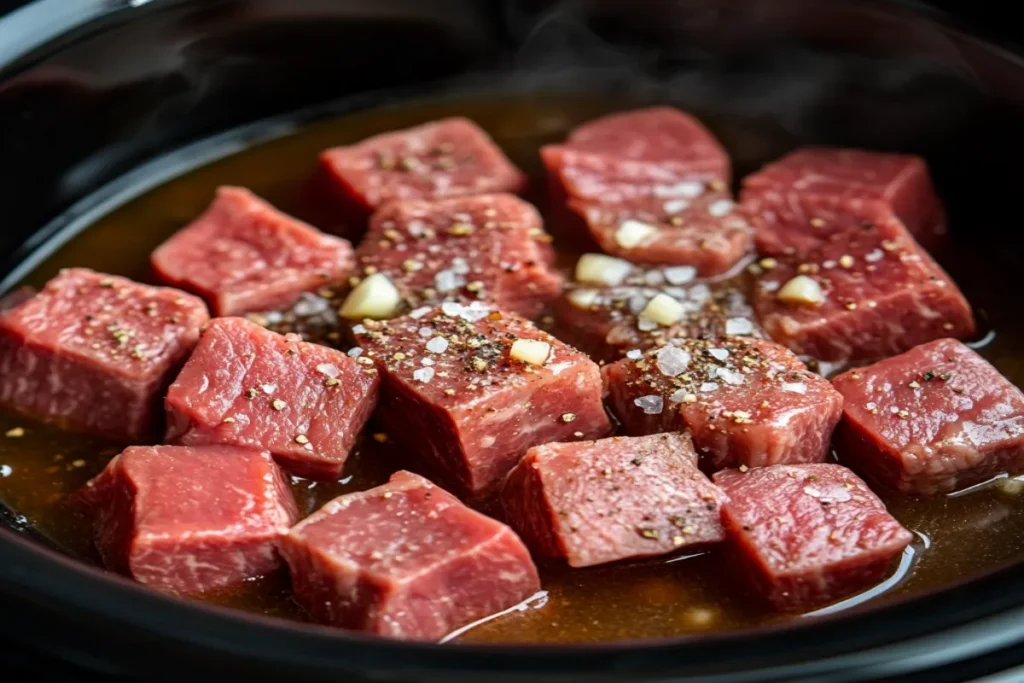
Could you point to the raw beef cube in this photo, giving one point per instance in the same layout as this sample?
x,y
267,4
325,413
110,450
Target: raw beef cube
x,y
659,135
94,352
705,232
860,295
469,390
406,560
247,386
932,420
808,535
746,402
796,197
448,158
607,322
601,501
490,247
188,520
244,255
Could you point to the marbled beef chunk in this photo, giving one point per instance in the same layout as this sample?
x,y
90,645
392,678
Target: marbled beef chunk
x,y
188,520
746,402
94,352
487,247
594,502
607,321
808,535
650,186
931,420
797,198
447,158
247,386
243,255
860,294
469,389
406,560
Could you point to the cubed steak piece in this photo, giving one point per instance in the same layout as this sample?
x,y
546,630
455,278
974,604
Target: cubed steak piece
x,y
808,535
243,255
469,389
746,402
605,312
648,213
188,520
795,198
860,295
406,560
94,352
932,420
600,501
447,158
247,386
658,135
489,247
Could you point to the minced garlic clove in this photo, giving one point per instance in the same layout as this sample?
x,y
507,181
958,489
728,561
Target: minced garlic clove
x,y
632,233
532,351
663,310
602,270
376,297
802,290
583,298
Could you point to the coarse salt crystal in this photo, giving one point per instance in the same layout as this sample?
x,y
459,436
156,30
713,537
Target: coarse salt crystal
x,y
437,345
873,256
672,361
708,387
269,389
687,188
795,387
328,369
425,331
730,376
423,374
718,354
654,277
738,326
676,205
678,396
426,361
651,405
460,266
448,281
310,304
418,313
646,325
680,275
355,352
359,329
721,207
634,354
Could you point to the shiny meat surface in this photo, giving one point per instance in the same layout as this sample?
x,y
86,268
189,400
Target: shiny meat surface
x,y
247,386
448,158
604,321
94,352
487,247
880,294
454,393
782,194
406,560
243,255
808,535
746,402
188,520
601,501
931,420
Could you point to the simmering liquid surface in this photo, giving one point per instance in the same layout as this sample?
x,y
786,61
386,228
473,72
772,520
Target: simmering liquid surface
x,y
957,536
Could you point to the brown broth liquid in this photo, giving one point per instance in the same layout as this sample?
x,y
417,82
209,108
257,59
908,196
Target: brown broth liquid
x,y
957,536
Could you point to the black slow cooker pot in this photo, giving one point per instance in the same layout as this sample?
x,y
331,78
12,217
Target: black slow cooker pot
x,y
93,91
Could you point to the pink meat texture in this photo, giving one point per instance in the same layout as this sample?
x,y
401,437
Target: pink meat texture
x,y
243,255
94,352
406,560
247,386
932,420
594,502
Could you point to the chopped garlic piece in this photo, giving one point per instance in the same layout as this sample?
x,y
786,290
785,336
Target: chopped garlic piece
x,y
532,351
802,290
632,233
375,297
602,270
663,310
583,298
